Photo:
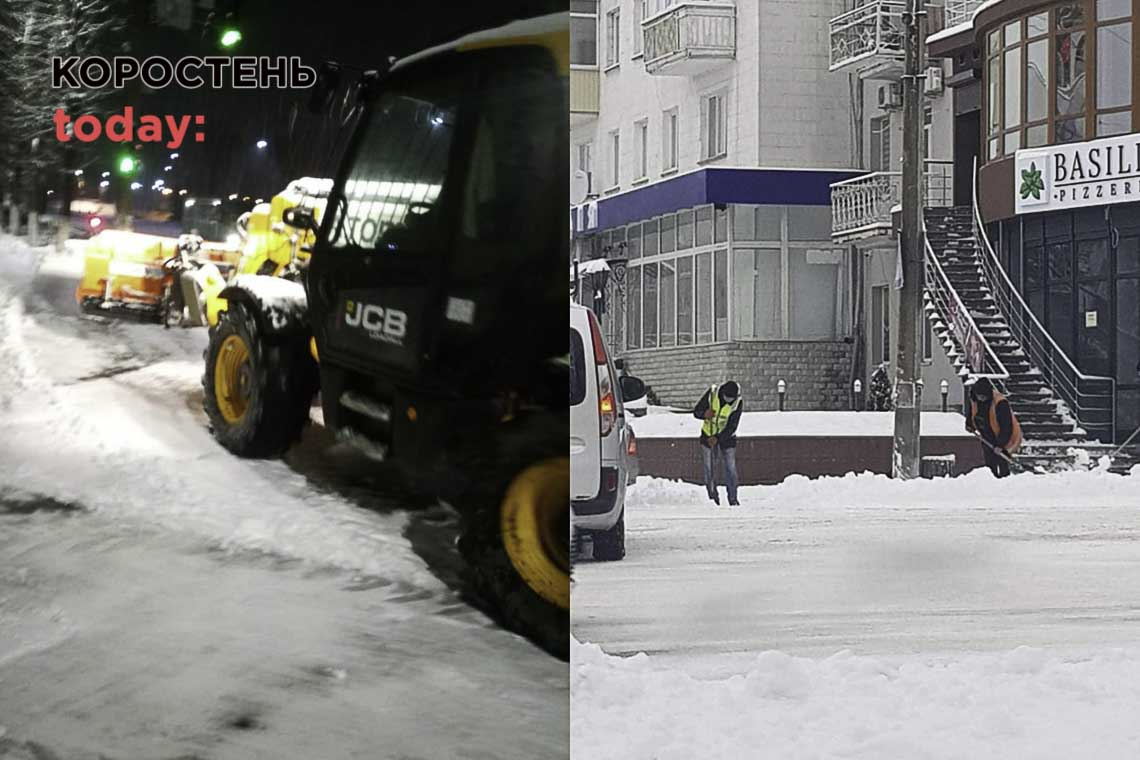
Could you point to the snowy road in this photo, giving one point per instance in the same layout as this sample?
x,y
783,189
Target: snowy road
x,y
946,603
160,598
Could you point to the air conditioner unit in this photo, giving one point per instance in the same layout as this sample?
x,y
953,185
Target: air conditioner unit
x,y
890,96
934,81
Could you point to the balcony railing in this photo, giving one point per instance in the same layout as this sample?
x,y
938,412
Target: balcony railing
x,y
862,207
960,11
584,92
689,38
871,37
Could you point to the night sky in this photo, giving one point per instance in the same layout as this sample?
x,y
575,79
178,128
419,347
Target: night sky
x,y
300,143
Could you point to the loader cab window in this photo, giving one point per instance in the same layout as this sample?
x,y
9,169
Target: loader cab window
x,y
393,188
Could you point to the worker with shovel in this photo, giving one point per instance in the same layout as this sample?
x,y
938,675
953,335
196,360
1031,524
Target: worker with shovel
x,y
992,420
720,409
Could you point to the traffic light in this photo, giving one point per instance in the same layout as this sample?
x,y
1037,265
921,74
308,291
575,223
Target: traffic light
x,y
230,35
126,165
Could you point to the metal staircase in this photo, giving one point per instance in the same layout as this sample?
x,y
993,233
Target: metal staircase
x,y
988,331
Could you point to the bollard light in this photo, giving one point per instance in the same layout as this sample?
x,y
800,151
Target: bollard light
x,y
857,397
781,389
945,387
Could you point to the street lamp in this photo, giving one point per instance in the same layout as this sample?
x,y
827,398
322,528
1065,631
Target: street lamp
x,y
262,144
173,156
136,185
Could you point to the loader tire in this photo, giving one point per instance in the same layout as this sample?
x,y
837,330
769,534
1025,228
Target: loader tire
x,y
517,543
258,388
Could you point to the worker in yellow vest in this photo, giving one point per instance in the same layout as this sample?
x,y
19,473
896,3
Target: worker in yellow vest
x,y
991,418
720,410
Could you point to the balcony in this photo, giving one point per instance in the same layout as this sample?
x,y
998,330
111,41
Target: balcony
x,y
960,11
689,38
863,208
584,92
870,40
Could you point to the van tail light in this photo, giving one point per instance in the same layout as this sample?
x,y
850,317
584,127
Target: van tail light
x,y
607,404
599,345
631,447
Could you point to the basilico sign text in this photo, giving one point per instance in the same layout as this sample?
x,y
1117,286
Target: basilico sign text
x,y
1094,173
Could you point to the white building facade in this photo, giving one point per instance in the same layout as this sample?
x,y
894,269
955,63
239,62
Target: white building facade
x,y
723,169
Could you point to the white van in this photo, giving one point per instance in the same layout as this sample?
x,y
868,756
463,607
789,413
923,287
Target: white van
x,y
599,437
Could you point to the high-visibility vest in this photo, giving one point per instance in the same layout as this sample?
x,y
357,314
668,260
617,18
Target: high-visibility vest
x,y
1014,436
721,412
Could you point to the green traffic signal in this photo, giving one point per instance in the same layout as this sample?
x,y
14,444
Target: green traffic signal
x,y
126,165
230,37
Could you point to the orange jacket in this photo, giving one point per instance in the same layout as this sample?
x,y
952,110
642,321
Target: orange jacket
x,y
1014,442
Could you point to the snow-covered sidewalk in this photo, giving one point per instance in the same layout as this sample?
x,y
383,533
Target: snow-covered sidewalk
x,y
862,617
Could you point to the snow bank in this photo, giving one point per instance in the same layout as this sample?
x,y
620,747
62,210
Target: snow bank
x,y
783,424
975,489
1023,703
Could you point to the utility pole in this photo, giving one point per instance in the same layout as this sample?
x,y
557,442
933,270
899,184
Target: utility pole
x,y
907,438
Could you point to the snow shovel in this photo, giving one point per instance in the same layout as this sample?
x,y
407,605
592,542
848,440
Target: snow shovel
x,y
1002,453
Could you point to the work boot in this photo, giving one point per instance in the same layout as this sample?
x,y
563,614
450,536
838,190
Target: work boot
x,y
715,497
732,502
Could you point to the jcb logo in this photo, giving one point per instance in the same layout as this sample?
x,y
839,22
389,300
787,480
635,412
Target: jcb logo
x,y
389,325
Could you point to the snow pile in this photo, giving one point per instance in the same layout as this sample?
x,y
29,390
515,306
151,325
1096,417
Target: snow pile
x,y
785,424
1022,703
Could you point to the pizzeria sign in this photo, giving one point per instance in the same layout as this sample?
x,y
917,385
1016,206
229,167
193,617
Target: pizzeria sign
x,y
1093,173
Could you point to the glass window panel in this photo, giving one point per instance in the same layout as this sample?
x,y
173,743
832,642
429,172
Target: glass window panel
x,y
649,238
995,147
704,225
1069,69
1013,87
720,295
1061,315
618,236
995,95
685,301
769,220
1070,16
1012,142
633,241
704,298
1128,256
1034,277
668,310
668,233
813,289
1012,33
649,305
1036,136
583,41
684,230
1037,80
744,293
1094,348
583,6
1110,9
1128,332
1127,412
743,222
808,223
1072,130
1092,258
1037,24
1109,124
1113,72
720,219
995,42
633,308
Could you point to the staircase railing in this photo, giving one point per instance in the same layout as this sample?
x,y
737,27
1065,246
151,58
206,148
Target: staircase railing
x,y
1091,399
978,355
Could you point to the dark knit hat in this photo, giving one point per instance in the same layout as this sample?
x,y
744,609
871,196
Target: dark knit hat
x,y
729,391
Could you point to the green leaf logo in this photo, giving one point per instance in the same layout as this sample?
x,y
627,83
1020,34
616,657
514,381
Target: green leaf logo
x,y
1031,182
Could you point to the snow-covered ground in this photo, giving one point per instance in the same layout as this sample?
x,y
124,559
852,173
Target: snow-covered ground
x,y
170,600
860,617
796,424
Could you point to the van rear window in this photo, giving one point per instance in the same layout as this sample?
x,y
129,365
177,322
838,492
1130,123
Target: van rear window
x,y
577,368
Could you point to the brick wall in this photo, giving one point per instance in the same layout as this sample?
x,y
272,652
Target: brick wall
x,y
770,460
816,372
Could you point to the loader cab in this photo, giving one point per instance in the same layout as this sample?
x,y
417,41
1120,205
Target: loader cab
x,y
440,260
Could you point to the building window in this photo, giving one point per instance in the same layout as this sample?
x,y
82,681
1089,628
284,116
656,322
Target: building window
x,y
714,127
1113,72
585,163
880,327
641,134
927,339
669,140
584,32
881,144
615,159
613,37
638,14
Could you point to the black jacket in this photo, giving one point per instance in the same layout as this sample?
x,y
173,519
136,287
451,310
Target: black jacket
x,y
727,438
981,422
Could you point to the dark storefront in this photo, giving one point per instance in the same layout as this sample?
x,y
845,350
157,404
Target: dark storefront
x,y
1079,271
